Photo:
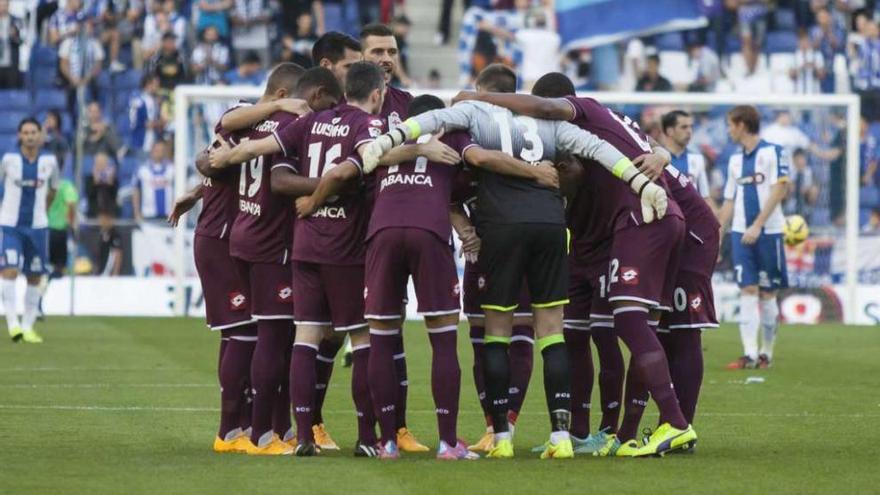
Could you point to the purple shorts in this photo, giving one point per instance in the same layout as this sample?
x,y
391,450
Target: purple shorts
x,y
329,295
693,303
393,254
475,283
700,252
225,303
644,263
582,291
267,287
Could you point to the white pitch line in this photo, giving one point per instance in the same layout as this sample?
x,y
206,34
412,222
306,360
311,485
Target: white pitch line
x,y
109,385
62,407
79,368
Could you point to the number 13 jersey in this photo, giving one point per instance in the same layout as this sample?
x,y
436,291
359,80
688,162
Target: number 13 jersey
x,y
261,232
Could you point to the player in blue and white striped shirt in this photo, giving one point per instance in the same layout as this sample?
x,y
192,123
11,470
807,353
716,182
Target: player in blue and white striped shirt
x,y
756,185
678,129
30,178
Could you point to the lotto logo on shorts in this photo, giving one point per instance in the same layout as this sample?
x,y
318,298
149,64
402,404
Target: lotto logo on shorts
x,y
696,303
237,301
284,293
456,289
481,282
629,275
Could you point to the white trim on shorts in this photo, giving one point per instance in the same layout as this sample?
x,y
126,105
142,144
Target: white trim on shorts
x,y
667,309
313,323
695,325
383,317
440,313
594,316
584,327
649,302
244,338
447,328
232,325
350,328
324,359
359,347
377,331
522,338
272,317
305,344
628,309
400,356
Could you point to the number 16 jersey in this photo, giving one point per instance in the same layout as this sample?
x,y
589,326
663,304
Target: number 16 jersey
x,y
261,232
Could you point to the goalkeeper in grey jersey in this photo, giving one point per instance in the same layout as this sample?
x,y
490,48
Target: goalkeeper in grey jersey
x,y
522,226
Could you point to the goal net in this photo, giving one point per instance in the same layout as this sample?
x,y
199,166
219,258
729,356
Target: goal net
x,y
832,274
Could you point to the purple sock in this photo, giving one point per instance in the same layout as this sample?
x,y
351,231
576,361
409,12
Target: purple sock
x,y
522,359
649,362
383,380
267,371
611,374
635,400
302,389
224,341
403,383
246,418
581,362
445,381
684,351
478,333
327,351
234,370
281,422
360,392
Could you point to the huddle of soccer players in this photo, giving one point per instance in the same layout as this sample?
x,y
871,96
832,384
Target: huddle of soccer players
x,y
325,218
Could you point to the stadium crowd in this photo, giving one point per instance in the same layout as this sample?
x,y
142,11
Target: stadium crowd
x,y
124,58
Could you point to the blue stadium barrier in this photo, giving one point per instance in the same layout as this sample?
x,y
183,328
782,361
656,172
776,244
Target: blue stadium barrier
x,y
44,56
47,99
15,99
669,42
8,142
785,19
9,121
44,77
781,42
128,80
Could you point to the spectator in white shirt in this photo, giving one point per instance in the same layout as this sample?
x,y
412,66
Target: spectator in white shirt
x,y
809,67
80,59
210,59
705,66
784,133
540,48
756,80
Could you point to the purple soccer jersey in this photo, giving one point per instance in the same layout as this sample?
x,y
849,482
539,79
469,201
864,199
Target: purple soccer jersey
x,y
702,237
335,233
417,193
395,107
219,196
262,229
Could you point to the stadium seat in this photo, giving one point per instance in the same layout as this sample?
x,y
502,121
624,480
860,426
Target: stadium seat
x,y
732,43
674,66
669,41
44,56
781,62
785,20
44,77
128,80
127,169
47,99
88,164
9,120
8,142
123,125
781,42
104,81
15,99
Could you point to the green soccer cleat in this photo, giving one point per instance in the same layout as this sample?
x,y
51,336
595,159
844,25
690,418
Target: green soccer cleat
x,y
627,449
591,444
503,449
666,439
31,337
610,447
561,450
15,334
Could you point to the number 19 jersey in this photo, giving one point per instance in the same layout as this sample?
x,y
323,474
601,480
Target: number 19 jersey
x,y
261,232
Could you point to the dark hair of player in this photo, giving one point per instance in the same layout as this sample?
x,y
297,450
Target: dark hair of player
x,y
29,120
319,77
748,115
553,85
670,119
285,76
375,30
332,46
424,103
362,79
497,78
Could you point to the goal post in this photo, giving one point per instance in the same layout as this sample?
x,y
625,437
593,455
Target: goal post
x,y
188,95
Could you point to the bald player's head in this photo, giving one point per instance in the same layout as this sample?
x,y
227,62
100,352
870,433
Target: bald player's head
x,y
496,78
283,80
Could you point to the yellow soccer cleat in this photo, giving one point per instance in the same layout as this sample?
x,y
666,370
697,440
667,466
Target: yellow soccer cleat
x,y
275,447
666,439
322,438
610,447
503,449
561,450
627,449
15,334
484,444
407,442
236,445
31,337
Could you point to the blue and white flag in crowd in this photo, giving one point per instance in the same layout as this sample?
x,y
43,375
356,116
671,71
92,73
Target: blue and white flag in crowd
x,y
590,23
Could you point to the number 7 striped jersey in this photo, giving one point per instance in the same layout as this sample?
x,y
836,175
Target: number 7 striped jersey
x,y
750,178
261,232
26,187
317,143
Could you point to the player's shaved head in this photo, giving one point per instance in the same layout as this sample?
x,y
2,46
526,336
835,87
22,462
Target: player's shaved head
x,y
319,84
424,103
285,77
332,45
496,78
553,85
363,78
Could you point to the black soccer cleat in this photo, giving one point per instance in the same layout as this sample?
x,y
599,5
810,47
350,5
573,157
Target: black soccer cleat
x,y
306,449
362,449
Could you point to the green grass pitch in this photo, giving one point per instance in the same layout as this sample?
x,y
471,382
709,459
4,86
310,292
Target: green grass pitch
x,y
126,405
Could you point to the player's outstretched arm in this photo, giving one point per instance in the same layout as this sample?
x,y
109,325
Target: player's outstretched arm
x,y
246,116
330,184
285,180
532,106
501,163
579,142
652,164
184,204
203,164
222,155
467,234
434,150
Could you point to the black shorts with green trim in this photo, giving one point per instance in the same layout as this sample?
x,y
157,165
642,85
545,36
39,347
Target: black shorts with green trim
x,y
537,252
